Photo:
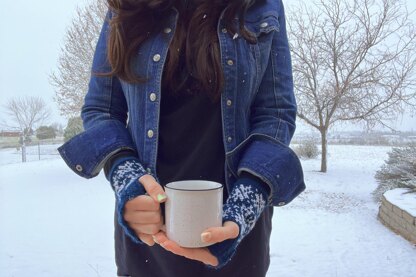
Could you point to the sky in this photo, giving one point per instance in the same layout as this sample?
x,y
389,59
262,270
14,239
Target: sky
x,y
31,34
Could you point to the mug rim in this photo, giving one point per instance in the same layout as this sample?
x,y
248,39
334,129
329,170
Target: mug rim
x,y
220,186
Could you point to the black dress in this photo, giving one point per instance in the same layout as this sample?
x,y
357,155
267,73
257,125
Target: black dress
x,y
191,147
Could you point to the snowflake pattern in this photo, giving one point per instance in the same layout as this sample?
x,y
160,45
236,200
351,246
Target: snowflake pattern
x,y
125,173
244,206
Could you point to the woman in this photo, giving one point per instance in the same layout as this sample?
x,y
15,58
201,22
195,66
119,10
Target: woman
x,y
182,90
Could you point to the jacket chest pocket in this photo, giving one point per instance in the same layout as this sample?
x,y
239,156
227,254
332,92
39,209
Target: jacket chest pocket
x,y
262,25
263,28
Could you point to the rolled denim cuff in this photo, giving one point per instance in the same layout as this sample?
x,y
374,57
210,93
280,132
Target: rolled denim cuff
x,y
276,165
244,206
87,152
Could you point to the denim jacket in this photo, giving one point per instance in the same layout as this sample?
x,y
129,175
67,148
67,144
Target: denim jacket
x,y
257,102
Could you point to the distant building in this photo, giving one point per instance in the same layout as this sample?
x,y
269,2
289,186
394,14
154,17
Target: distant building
x,y
9,134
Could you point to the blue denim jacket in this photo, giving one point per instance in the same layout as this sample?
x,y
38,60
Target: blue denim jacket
x,y
258,105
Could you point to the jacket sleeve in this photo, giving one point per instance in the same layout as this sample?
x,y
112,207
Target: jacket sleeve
x,y
273,113
104,116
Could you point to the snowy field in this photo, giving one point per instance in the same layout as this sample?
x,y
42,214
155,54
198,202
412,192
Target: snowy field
x,y
33,153
54,223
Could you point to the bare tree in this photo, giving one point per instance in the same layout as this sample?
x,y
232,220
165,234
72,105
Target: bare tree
x,y
74,64
26,113
353,60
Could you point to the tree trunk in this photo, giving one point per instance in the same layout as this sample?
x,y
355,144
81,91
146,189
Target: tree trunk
x,y
324,150
24,152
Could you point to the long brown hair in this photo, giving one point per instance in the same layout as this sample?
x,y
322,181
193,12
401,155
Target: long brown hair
x,y
194,47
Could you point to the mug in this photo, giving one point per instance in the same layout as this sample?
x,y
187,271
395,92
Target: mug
x,y
191,207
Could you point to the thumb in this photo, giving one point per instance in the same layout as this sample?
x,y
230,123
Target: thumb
x,y
153,188
230,230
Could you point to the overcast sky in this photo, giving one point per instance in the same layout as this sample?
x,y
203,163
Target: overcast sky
x,y
31,34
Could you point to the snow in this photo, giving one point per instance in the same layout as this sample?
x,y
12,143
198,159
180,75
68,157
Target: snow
x,y
403,200
33,153
54,223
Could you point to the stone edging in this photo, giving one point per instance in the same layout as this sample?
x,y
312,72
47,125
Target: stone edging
x,y
398,220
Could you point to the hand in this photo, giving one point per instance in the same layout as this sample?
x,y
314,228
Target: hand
x,y
143,213
230,230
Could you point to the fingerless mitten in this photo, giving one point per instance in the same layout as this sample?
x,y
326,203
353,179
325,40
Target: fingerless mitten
x,y
244,205
124,178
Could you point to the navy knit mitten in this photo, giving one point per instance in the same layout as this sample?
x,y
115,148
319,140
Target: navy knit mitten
x,y
244,205
124,178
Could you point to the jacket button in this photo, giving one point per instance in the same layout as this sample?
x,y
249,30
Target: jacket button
x,y
153,97
229,139
167,30
148,170
281,203
224,30
230,62
264,24
150,133
156,58
78,168
229,102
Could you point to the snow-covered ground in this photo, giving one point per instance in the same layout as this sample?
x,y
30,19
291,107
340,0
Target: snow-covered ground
x,y
33,153
54,223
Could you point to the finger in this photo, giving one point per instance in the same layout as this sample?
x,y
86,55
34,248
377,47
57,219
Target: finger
x,y
160,237
150,229
143,217
153,188
230,230
198,254
147,239
142,203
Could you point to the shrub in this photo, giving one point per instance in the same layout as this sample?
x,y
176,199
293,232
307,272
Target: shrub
x,y
45,132
399,171
73,128
307,149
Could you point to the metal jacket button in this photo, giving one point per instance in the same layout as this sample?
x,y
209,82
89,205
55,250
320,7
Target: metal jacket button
x,y
150,133
156,58
229,102
230,62
229,139
152,97
264,24
167,30
281,203
78,168
224,30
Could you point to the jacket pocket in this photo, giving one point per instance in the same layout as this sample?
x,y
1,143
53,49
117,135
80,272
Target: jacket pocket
x,y
263,25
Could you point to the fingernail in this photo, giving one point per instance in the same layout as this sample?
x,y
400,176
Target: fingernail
x,y
205,237
155,239
161,197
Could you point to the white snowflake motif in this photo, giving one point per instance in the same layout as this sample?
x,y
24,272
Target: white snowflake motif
x,y
244,206
125,174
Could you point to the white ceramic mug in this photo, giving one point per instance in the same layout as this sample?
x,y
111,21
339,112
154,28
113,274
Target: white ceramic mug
x,y
192,207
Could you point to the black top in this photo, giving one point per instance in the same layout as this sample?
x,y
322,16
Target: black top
x,y
190,139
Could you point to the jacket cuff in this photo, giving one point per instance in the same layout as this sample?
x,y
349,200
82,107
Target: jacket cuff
x,y
277,166
87,152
